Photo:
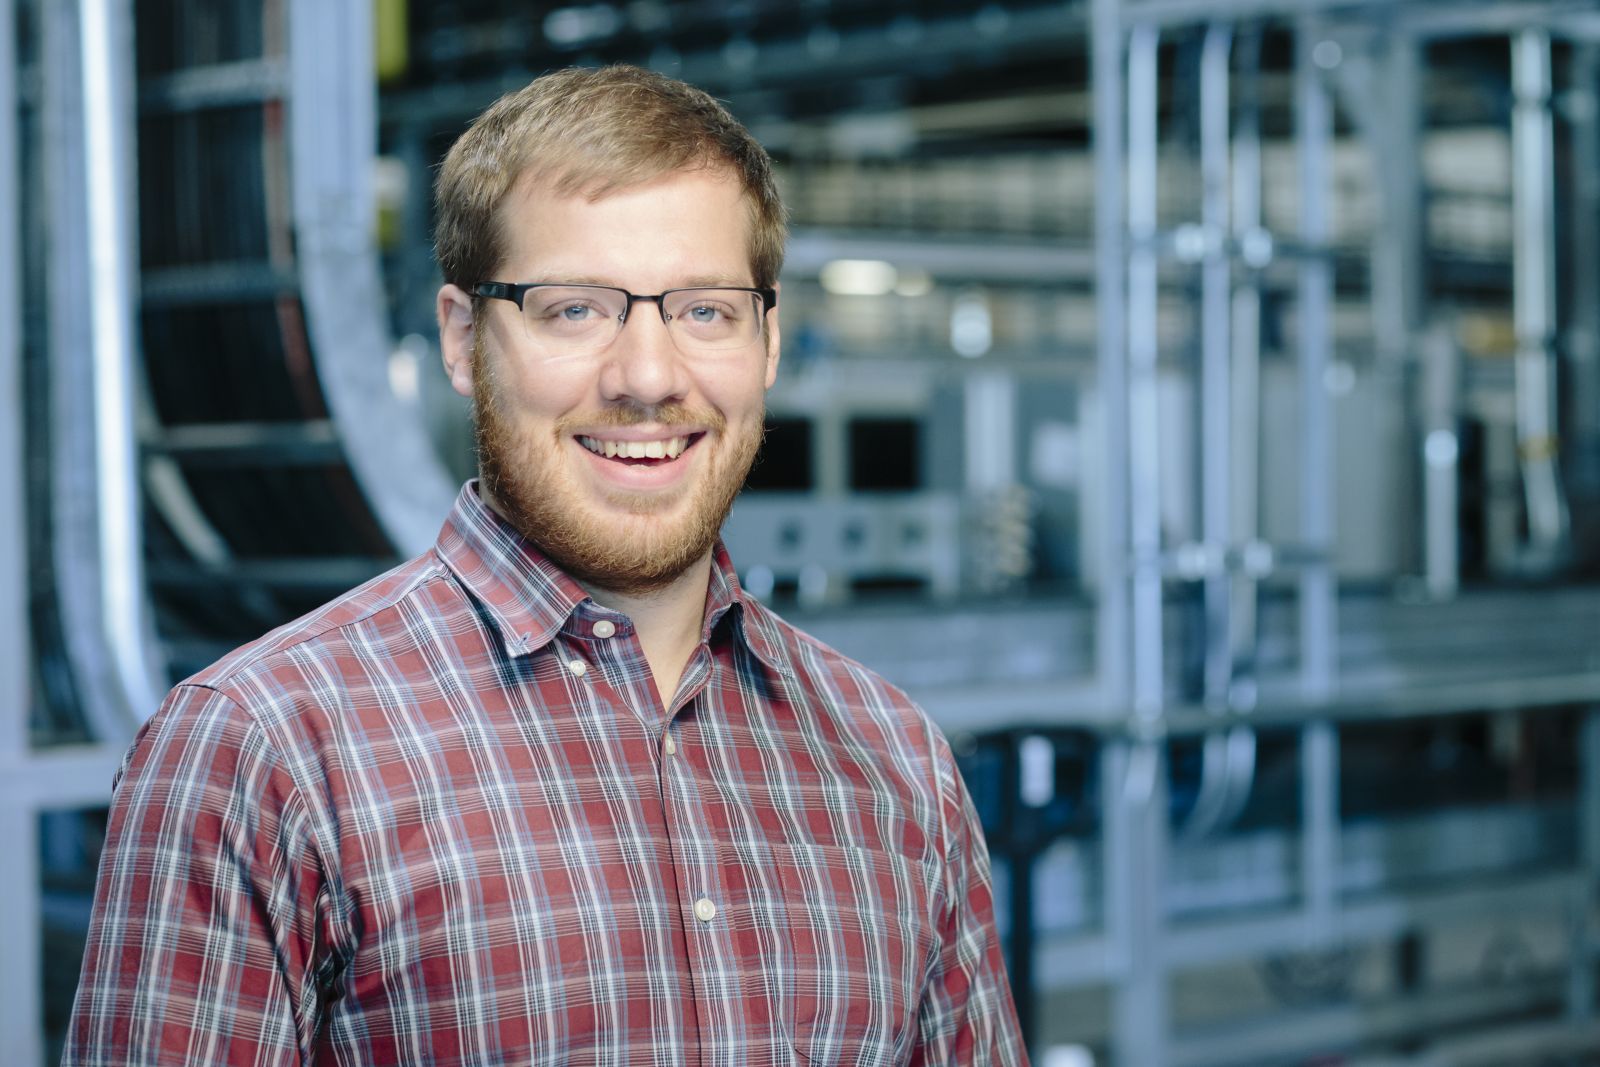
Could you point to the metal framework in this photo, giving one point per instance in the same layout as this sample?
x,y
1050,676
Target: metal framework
x,y
1130,707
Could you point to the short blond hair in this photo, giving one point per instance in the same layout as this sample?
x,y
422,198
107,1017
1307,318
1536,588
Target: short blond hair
x,y
590,132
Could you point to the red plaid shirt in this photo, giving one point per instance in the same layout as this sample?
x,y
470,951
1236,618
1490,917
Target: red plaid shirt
x,y
446,820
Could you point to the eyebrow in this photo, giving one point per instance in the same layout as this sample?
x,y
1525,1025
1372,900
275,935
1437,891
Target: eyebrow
x,y
700,281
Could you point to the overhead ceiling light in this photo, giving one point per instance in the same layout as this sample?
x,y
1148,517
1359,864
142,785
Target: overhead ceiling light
x,y
914,283
569,27
858,277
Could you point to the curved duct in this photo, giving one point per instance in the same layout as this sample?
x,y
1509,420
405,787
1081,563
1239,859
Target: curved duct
x,y
281,465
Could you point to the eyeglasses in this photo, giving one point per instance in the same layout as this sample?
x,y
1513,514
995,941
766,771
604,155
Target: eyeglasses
x,y
582,319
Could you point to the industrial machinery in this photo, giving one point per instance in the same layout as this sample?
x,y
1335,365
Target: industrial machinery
x,y
1195,406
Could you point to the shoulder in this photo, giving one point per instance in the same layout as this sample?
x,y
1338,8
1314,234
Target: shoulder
x,y
861,701
371,620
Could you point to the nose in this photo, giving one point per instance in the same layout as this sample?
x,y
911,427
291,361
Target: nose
x,y
643,364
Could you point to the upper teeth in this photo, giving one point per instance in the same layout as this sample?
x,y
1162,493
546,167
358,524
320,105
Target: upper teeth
x,y
670,448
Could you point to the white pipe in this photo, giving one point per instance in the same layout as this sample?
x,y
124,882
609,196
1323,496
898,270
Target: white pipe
x,y
108,115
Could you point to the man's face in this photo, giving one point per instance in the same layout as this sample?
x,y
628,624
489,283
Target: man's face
x,y
544,419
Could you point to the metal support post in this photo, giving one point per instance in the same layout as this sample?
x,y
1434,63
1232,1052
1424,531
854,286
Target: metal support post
x,y
1313,132
14,643
1113,630
1441,463
1582,228
22,980
1134,842
1319,839
1393,126
1244,405
1144,417
1216,417
1228,756
1534,297
1581,992
21,984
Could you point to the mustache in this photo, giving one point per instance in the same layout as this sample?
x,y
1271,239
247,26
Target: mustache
x,y
673,413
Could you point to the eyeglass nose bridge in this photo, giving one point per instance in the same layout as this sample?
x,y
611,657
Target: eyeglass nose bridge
x,y
658,299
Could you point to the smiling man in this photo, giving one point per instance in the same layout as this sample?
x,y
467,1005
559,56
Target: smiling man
x,y
558,791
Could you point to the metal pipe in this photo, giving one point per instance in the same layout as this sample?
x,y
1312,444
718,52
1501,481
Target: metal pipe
x,y
333,141
1319,838
1245,403
1582,944
1144,417
1441,462
21,985
108,122
1313,131
1113,660
14,640
1534,299
86,66
1227,765
1583,230
1216,483
1134,848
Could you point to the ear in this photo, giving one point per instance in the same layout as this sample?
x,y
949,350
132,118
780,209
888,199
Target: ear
x,y
773,339
453,308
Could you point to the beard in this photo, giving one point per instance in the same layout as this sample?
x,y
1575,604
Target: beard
x,y
645,550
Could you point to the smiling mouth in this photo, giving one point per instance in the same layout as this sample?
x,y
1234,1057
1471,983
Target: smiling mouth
x,y
641,453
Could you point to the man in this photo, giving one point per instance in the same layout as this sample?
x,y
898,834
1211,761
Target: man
x,y
558,791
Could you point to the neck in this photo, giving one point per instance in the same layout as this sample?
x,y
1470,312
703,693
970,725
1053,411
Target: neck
x,y
667,620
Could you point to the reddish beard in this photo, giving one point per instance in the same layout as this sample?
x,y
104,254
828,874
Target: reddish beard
x,y
522,476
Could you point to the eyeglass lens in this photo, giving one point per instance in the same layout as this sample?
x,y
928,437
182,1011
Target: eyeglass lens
x,y
590,317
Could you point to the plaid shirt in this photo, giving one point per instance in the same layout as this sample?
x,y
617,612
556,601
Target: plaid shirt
x,y
446,820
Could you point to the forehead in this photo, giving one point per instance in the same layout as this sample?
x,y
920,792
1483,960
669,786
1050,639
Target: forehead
x,y
539,204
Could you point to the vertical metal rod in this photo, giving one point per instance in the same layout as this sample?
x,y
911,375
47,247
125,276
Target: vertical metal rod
x,y
1245,403
1441,461
1113,633
1144,417
1021,846
21,980
106,28
1313,131
1319,838
1533,295
1583,230
21,983
1397,239
14,644
1216,416
1134,841
1581,963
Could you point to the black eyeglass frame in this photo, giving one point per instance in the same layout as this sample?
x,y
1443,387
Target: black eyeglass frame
x,y
516,292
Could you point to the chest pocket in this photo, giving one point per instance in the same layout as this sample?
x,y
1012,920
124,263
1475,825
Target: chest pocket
x,y
858,937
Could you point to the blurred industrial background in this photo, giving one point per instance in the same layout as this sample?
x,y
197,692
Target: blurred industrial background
x,y
1195,405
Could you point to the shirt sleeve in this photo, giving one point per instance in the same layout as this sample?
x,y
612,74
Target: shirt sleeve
x,y
967,1014
202,939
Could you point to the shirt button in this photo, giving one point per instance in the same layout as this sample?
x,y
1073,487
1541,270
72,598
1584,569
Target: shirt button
x,y
605,628
670,745
704,910
577,667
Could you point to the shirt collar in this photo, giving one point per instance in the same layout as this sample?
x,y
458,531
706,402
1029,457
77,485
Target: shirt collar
x,y
531,599
752,622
